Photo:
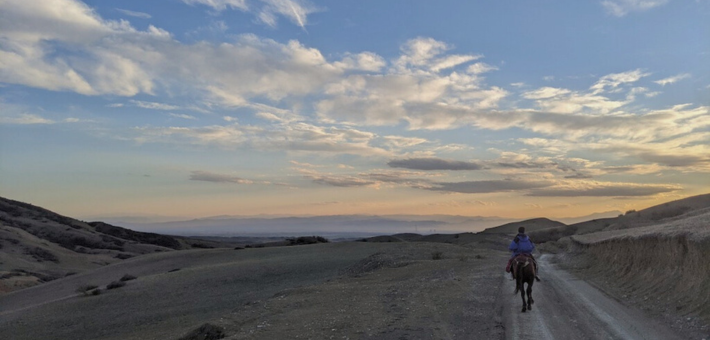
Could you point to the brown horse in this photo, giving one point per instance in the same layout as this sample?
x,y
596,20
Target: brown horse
x,y
524,273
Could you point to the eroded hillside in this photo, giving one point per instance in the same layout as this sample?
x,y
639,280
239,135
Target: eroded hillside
x,y
37,245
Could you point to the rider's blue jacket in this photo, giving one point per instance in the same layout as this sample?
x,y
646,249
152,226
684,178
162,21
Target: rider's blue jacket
x,y
521,245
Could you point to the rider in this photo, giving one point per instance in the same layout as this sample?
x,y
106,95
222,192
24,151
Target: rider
x,y
522,245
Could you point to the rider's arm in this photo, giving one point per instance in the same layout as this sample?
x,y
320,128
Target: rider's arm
x,y
513,246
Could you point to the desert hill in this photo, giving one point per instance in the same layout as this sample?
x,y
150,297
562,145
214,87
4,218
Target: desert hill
x,y
661,213
530,225
38,245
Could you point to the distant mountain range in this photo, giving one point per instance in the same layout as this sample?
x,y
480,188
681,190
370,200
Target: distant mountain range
x,y
334,226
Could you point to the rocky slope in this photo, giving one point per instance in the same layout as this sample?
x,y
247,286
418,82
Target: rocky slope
x,y
37,245
656,259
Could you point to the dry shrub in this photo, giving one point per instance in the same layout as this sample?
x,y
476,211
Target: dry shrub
x,y
128,277
205,332
115,284
87,289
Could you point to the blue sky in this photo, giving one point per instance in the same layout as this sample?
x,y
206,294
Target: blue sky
x,y
192,108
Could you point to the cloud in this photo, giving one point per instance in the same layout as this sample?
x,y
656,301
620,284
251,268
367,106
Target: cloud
x,y
134,14
419,88
297,137
296,11
339,180
400,142
614,80
433,164
31,33
220,5
673,79
183,116
25,119
479,68
112,57
599,189
154,106
491,186
620,8
217,178
545,92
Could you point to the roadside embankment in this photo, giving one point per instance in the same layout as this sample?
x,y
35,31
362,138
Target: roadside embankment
x,y
663,269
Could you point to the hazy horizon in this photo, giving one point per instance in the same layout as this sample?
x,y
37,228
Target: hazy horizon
x,y
195,108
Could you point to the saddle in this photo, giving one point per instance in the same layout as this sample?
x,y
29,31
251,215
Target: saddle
x,y
527,259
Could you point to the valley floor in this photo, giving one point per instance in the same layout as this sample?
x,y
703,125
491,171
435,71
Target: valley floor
x,y
356,290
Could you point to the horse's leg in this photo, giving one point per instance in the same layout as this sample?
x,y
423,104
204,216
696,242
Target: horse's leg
x,y
529,291
522,294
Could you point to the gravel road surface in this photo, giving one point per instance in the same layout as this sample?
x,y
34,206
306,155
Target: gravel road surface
x,y
567,308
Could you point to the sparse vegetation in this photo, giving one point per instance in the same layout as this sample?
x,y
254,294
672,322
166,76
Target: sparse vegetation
x,y
306,240
9,275
115,284
87,289
128,277
127,234
201,246
437,255
205,332
41,254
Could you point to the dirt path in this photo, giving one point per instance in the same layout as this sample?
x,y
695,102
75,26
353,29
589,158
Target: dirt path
x,y
568,308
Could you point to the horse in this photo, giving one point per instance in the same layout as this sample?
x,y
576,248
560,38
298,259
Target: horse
x,y
524,273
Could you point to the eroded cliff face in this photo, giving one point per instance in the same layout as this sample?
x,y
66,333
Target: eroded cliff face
x,y
667,274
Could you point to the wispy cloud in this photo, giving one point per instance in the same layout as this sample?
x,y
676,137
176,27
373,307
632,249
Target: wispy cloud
x,y
298,137
183,116
673,79
217,178
481,187
599,189
620,8
134,14
220,5
614,80
267,11
433,164
154,106
25,119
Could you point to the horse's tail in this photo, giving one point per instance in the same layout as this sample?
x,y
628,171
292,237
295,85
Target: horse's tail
x,y
518,277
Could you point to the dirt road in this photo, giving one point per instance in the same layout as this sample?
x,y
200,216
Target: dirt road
x,y
568,308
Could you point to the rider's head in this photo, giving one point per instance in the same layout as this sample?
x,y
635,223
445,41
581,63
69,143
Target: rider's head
x,y
521,230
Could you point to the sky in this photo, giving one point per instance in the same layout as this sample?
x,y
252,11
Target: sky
x,y
195,108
